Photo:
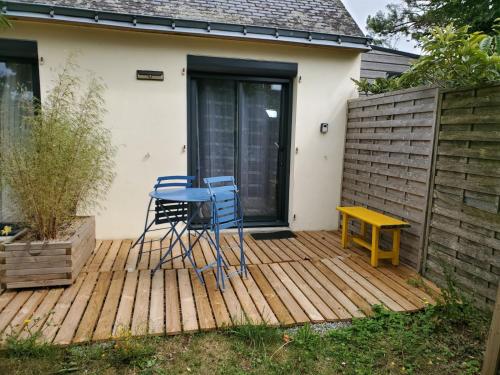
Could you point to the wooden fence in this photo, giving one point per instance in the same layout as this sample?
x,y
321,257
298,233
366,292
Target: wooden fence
x,y
464,217
387,160
432,157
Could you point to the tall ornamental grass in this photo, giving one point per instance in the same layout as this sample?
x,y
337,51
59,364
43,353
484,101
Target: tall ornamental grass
x,y
64,164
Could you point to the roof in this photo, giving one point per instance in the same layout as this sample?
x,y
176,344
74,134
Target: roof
x,y
319,22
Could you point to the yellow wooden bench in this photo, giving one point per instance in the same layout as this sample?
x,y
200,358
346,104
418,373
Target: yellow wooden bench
x,y
378,222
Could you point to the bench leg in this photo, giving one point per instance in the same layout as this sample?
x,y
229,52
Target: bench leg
x,y
396,237
375,245
345,225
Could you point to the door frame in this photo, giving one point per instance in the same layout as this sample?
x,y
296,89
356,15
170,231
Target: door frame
x,y
285,135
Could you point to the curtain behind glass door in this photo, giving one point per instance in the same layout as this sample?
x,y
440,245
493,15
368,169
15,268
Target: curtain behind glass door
x,y
260,118
16,95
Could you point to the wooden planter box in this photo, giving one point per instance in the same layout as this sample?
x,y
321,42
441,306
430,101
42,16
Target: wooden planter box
x,y
49,263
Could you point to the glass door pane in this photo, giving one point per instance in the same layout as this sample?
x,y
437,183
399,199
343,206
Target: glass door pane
x,y
216,119
260,118
16,98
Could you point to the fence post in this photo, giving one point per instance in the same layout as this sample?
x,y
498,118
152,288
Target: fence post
x,y
491,354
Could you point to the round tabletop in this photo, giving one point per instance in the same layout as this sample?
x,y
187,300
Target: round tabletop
x,y
182,195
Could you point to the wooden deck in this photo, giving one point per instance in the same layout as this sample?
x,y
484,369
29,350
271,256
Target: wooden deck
x,y
306,279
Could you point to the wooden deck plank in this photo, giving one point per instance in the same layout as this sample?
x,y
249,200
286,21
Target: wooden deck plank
x,y
143,259
156,309
353,284
234,307
155,254
415,303
251,312
221,315
345,288
231,246
279,309
61,308
5,298
303,301
104,327
207,251
309,240
266,312
17,323
382,295
312,296
280,290
426,298
95,265
283,257
70,323
177,263
199,258
309,277
42,312
132,259
349,306
188,308
268,252
251,257
372,278
292,255
172,307
261,255
205,316
228,253
141,306
109,259
121,259
98,244
91,315
124,314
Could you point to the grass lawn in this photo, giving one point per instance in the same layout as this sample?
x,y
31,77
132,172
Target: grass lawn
x,y
445,339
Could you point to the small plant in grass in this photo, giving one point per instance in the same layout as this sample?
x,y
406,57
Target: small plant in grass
x,y
64,163
129,350
305,338
257,335
31,346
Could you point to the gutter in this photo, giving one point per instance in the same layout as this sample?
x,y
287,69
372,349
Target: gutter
x,y
41,12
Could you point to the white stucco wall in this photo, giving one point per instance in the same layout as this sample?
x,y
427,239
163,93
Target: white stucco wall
x,y
150,118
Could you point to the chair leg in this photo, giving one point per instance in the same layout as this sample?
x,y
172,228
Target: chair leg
x,y
375,245
243,262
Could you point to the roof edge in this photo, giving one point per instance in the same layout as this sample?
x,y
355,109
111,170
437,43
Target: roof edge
x,y
41,12
395,51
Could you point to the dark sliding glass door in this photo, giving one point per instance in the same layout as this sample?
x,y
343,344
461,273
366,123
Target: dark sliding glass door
x,y
239,127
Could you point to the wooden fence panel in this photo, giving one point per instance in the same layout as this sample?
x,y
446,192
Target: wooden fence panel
x,y
387,160
464,216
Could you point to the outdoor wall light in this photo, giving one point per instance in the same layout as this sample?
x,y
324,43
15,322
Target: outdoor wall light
x,y
323,128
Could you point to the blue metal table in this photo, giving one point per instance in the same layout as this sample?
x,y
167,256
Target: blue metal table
x,y
196,197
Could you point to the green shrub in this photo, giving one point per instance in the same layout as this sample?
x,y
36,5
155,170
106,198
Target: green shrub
x,y
452,58
64,164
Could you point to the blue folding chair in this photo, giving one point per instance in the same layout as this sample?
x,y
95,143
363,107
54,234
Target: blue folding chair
x,y
166,214
226,213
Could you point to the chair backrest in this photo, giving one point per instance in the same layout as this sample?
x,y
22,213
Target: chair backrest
x,y
225,200
173,181
171,212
